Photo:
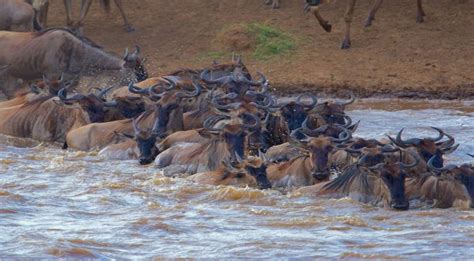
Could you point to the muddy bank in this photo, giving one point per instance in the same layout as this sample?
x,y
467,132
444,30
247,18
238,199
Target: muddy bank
x,y
396,57
461,92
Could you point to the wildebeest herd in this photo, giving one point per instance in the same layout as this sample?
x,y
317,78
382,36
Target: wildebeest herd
x,y
217,125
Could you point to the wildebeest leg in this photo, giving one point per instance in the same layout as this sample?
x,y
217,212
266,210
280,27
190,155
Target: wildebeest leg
x,y
346,43
128,26
68,6
420,12
324,24
268,2
276,4
86,4
372,13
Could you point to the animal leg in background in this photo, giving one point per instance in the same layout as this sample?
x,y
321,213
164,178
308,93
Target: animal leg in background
x,y
324,24
346,43
372,13
419,13
128,26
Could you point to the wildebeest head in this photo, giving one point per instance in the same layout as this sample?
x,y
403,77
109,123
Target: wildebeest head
x,y
146,142
257,167
334,112
238,81
91,104
133,61
373,155
463,174
296,112
428,147
233,134
51,86
319,149
393,176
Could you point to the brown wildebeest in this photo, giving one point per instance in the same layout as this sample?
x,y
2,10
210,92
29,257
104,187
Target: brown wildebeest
x,y
168,112
426,148
228,142
250,172
444,187
313,7
382,184
42,119
310,167
56,51
85,5
17,16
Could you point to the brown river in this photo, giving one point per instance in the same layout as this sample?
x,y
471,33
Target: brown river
x,y
56,203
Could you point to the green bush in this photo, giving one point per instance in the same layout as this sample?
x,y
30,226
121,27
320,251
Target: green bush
x,y
270,41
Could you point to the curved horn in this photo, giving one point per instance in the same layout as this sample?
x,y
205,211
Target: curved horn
x,y
350,101
256,124
389,149
171,83
205,77
102,93
155,129
137,90
312,132
344,136
196,92
377,166
446,144
401,143
62,96
313,98
230,106
438,170
413,164
211,121
471,155
440,135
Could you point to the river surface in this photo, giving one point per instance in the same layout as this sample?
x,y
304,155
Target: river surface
x,y
56,203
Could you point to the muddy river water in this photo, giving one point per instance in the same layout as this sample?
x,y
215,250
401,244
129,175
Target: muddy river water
x,y
56,203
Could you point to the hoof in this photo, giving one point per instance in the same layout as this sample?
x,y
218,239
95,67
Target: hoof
x,y
346,44
369,20
419,18
129,29
327,27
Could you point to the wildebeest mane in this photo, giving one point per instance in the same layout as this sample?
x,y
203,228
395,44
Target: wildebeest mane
x,y
83,39
343,183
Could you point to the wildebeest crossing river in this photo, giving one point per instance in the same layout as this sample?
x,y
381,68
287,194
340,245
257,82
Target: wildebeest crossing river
x,y
56,203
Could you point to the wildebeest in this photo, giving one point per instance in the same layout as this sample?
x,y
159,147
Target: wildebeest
x,y
167,110
444,187
250,172
228,142
426,148
382,184
55,51
85,5
41,8
17,16
313,7
312,165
